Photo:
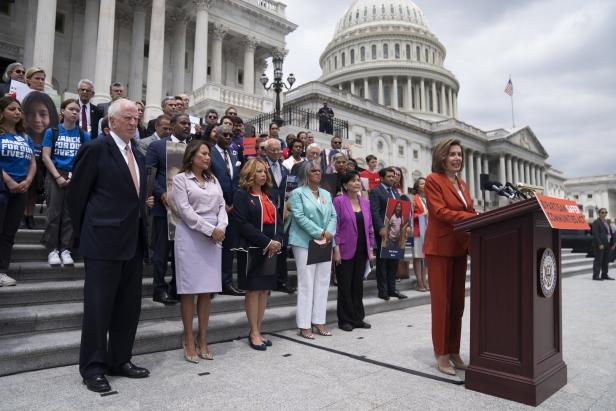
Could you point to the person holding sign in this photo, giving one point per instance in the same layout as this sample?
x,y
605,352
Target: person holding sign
x,y
60,146
420,219
313,220
13,72
260,234
449,202
354,239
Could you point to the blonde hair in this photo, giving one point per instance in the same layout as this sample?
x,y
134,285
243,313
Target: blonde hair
x,y
247,175
33,70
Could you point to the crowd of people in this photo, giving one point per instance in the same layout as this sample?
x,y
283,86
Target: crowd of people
x,y
103,174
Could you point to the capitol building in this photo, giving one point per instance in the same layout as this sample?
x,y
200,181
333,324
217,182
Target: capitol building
x,y
383,74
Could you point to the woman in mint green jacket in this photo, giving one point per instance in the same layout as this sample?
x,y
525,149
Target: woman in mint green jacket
x,y
313,217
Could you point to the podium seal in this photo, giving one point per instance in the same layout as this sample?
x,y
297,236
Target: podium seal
x,y
548,277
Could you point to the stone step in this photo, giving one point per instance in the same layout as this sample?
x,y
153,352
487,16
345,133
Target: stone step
x,y
25,236
68,315
21,353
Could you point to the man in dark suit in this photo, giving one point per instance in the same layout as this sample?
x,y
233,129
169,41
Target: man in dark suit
x,y
225,167
116,91
156,156
279,175
603,243
170,108
107,207
89,114
385,267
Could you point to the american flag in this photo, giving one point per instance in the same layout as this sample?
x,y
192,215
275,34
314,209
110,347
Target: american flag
x,y
509,88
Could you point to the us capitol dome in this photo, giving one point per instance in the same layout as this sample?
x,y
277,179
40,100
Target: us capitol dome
x,y
384,51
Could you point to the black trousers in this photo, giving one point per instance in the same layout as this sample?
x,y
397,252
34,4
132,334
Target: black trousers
x,y
601,262
11,214
386,269
162,247
111,304
226,271
350,275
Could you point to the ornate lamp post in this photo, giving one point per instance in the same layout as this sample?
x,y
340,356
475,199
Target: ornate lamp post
x,y
277,84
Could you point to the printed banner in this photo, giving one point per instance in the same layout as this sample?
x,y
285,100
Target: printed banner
x,y
562,214
396,222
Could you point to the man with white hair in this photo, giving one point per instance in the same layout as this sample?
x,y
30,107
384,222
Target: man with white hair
x,y
89,114
107,207
313,152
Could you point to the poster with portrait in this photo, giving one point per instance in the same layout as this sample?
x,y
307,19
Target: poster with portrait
x,y
397,217
175,152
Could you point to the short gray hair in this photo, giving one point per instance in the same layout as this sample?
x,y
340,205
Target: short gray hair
x,y
86,81
223,128
272,141
165,100
116,106
9,70
313,146
304,171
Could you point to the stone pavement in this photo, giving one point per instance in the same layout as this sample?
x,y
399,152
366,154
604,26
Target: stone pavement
x,y
292,375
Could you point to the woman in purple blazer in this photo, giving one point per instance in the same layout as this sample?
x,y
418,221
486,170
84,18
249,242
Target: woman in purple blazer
x,y
354,241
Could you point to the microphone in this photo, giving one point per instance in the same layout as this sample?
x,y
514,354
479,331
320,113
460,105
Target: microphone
x,y
513,189
498,188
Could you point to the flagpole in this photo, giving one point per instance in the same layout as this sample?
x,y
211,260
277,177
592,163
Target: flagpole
x,y
512,115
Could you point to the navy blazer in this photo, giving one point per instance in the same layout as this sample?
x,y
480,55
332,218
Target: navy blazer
x,y
229,185
108,216
378,206
247,213
156,156
600,233
277,192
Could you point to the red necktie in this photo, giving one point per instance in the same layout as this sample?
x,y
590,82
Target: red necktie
x,y
84,118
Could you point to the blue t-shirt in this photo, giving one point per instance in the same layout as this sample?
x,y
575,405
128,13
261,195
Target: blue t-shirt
x,y
67,145
16,151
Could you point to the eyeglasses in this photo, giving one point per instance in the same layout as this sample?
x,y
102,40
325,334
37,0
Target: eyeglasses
x,y
85,90
231,113
212,117
603,212
19,71
337,142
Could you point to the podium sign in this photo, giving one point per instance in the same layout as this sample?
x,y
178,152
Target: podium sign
x,y
516,334
562,214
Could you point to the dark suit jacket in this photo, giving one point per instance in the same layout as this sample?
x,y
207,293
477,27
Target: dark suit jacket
x,y
277,192
96,114
229,185
445,209
247,214
151,129
378,206
599,234
106,213
156,156
104,107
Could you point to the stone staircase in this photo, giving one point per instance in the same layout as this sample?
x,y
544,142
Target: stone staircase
x,y
40,318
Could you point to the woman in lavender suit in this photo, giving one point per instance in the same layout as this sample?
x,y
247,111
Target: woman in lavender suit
x,y
354,241
199,232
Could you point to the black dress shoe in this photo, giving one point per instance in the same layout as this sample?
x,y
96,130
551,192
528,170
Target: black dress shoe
x,y
362,324
164,298
607,277
258,347
129,370
398,295
29,222
267,342
383,296
345,327
97,383
285,289
597,279
231,290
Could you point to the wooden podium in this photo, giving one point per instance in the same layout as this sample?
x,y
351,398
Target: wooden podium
x,y
516,334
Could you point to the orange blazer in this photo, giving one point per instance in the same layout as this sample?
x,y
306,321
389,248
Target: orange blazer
x,y
446,208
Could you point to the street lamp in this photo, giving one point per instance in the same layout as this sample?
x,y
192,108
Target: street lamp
x,y
277,84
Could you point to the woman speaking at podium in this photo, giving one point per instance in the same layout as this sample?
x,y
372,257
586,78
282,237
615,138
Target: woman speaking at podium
x,y
446,252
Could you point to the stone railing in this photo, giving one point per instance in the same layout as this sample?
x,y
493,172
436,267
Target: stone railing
x,y
233,97
272,6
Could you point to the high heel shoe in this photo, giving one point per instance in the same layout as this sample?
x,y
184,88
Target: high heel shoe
x,y
320,331
457,362
190,358
307,334
205,355
445,369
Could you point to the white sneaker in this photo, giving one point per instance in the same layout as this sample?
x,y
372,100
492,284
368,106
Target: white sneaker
x,y
5,280
66,258
54,259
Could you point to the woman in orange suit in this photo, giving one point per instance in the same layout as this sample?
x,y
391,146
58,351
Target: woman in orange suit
x,y
445,251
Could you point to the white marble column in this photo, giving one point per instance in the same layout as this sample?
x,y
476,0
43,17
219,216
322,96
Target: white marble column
x,y
478,172
44,39
135,83
537,175
514,166
455,105
509,176
521,171
422,94
218,34
443,100
434,99
104,50
381,92
531,170
526,173
486,165
179,21
155,60
352,83
394,93
29,39
502,169
409,93
200,52
366,89
450,102
90,32
340,86
470,166
250,45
